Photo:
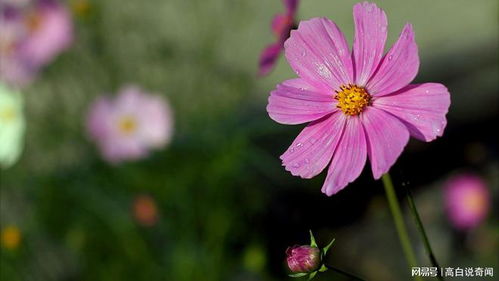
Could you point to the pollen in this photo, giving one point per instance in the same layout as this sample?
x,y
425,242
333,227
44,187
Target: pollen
x,y
352,99
127,125
33,21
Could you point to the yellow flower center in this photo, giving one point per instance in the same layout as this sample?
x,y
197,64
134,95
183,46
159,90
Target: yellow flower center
x,y
7,114
352,99
474,203
33,21
127,125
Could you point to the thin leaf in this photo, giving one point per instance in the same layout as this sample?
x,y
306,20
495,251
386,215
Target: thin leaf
x,y
323,268
296,275
312,275
328,246
312,240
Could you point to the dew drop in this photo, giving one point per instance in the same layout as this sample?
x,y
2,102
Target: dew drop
x,y
390,57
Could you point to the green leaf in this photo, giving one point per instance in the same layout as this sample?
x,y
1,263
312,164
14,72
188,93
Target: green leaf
x,y
312,240
328,246
312,275
323,268
296,275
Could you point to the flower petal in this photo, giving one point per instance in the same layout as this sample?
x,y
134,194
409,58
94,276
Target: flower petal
x,y
268,58
369,41
422,107
98,117
312,150
290,6
386,138
296,101
348,159
318,52
399,66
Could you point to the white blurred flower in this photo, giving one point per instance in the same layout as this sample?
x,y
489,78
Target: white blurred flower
x,y
12,126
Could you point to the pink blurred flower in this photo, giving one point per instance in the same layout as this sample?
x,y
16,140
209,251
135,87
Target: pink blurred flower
x,y
145,210
303,259
32,36
467,200
281,26
129,126
359,104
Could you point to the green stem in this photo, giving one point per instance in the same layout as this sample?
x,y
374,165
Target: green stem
x,y
422,231
399,223
344,273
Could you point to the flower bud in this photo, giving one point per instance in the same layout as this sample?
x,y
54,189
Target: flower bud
x,y
303,258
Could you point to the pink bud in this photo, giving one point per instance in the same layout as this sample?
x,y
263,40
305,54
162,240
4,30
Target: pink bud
x,y
303,258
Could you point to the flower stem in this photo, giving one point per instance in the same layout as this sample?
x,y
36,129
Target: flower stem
x,y
344,273
399,222
422,231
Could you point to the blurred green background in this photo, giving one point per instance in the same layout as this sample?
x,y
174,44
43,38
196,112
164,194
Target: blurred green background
x,y
227,209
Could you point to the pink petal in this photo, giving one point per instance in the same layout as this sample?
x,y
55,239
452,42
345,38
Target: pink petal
x,y
399,66
312,150
369,41
291,6
318,52
157,120
296,101
120,150
422,107
54,34
97,121
386,138
348,159
268,58
281,25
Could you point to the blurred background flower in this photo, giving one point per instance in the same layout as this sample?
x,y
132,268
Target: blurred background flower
x,y
467,200
33,34
10,237
12,126
145,210
127,127
227,210
281,27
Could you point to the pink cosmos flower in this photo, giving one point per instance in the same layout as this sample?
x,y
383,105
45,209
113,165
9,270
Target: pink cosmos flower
x,y
281,26
467,200
358,104
303,258
129,126
32,35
